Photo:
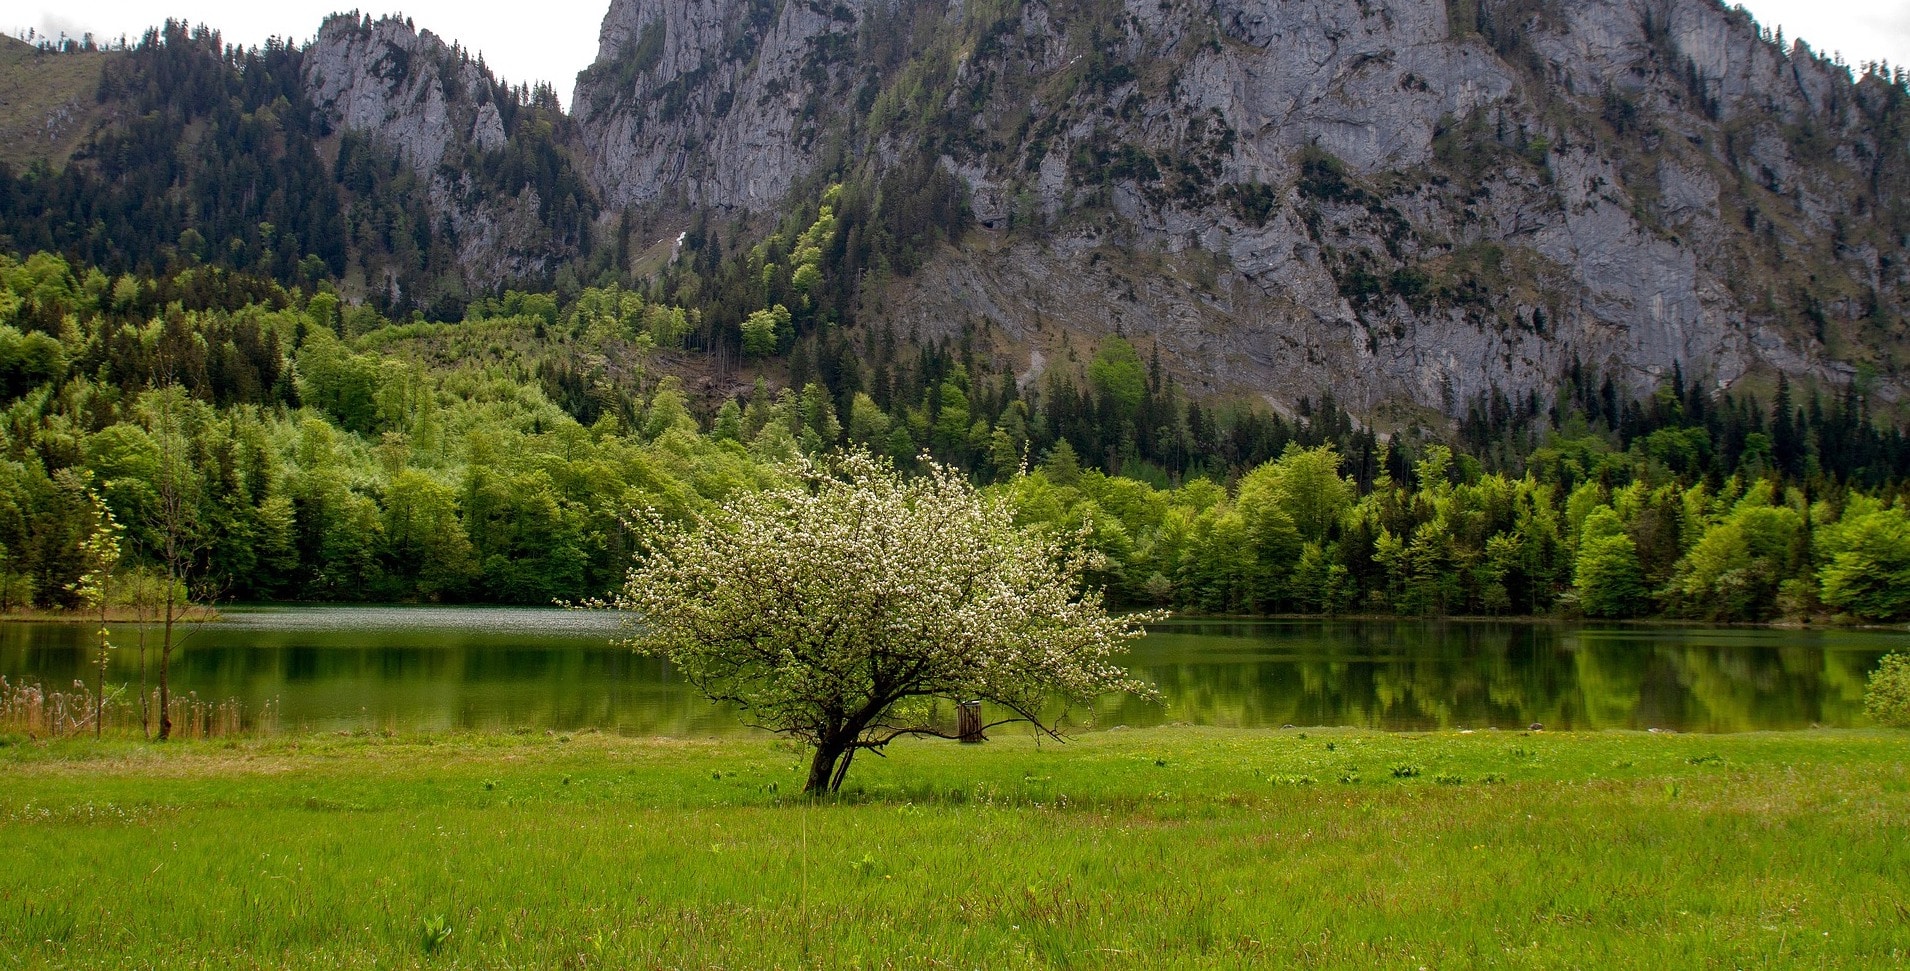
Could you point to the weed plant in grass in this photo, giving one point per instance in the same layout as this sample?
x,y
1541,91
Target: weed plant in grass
x,y
1172,847
32,710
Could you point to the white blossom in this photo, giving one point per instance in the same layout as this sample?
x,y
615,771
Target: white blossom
x,y
838,608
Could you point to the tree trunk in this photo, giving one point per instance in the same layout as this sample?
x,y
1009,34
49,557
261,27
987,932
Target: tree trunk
x,y
842,769
823,777
165,668
99,703
969,728
145,693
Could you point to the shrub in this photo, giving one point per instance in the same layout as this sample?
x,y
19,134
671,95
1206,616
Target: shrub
x,y
1888,697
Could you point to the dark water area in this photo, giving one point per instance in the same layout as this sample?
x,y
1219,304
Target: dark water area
x,y
418,668
1407,675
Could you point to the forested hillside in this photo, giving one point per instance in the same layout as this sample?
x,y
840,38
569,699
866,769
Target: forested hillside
x,y
212,155
1617,332
301,449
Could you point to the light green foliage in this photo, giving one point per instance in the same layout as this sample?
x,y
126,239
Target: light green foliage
x,y
1219,570
806,273
99,555
1887,697
868,423
1306,483
667,326
902,448
1062,465
1321,584
816,413
1735,568
30,360
606,314
805,278
949,438
762,330
1606,572
1117,372
325,451
669,411
1490,545
362,392
729,422
774,444
1866,561
424,539
1272,542
1587,497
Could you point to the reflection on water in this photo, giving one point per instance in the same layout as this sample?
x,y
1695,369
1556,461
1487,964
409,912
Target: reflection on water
x,y
1453,674
429,668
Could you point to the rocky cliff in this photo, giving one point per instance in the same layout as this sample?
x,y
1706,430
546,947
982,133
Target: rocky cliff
x,y
717,103
445,116
1412,203
1406,201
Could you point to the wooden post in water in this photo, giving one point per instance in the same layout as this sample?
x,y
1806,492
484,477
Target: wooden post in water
x,y
969,722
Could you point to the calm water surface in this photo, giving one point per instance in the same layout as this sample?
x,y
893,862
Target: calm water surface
x,y
440,668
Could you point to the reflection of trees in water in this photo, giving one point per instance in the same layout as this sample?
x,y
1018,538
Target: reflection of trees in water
x,y
1392,674
1401,675
1636,681
1406,675
434,680
1609,686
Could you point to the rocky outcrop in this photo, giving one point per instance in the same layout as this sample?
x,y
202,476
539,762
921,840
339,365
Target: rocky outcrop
x,y
717,103
1414,201
438,109
409,88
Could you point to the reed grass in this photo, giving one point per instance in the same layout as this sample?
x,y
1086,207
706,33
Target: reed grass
x,y
33,710
1171,847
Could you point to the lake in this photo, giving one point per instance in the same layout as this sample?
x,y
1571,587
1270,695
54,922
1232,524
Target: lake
x,y
410,668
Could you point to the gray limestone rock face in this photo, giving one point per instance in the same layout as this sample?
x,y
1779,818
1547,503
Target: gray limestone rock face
x,y
386,79
1588,146
1407,202
714,103
412,93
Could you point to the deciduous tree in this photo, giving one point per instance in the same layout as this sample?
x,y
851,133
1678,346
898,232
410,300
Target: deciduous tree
x,y
1609,581
840,608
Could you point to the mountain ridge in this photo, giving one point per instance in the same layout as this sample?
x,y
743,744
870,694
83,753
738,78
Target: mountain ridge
x,y
1412,203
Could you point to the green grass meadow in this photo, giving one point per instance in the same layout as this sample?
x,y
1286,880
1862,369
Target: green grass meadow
x,y
1158,848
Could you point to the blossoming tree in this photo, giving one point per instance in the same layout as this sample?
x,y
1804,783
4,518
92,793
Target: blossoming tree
x,y
840,608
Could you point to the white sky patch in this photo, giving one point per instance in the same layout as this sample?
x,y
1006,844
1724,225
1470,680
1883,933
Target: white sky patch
x,y
552,40
1860,30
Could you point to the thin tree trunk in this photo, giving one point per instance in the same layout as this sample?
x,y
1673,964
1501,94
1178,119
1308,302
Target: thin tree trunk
x,y
99,703
842,769
145,694
165,667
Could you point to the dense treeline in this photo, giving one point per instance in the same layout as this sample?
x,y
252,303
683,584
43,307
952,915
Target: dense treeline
x,y
299,448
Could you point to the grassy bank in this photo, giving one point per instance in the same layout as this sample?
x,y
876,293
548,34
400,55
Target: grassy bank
x,y
1173,847
114,615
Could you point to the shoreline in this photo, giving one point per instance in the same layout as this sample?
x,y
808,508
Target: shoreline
x,y
211,615
1550,620
192,615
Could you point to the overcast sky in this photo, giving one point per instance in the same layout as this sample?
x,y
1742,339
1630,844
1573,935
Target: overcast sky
x,y
554,39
